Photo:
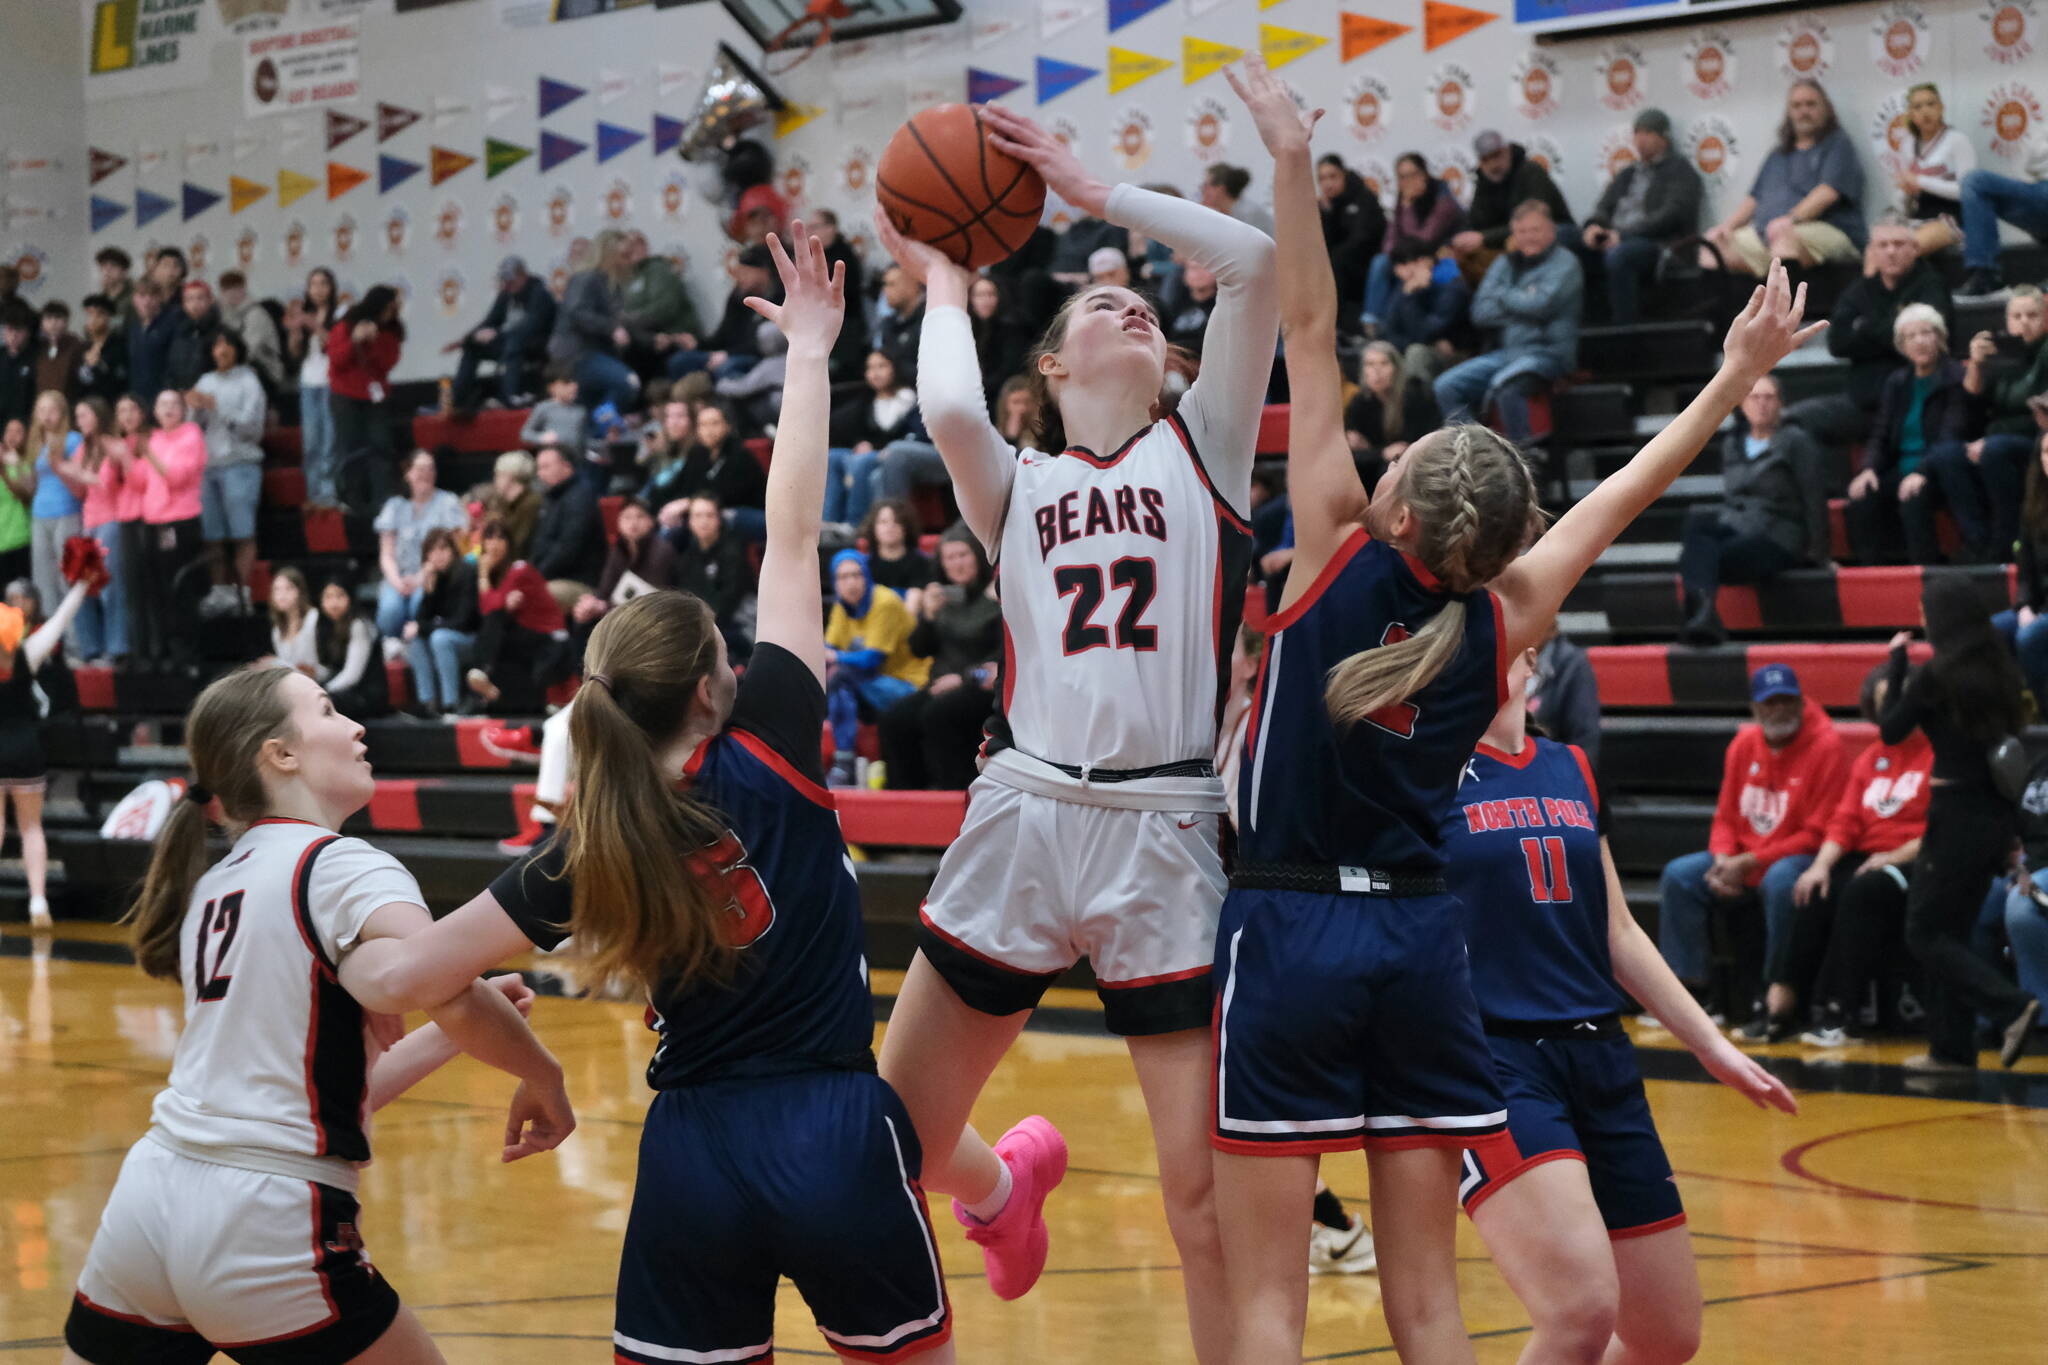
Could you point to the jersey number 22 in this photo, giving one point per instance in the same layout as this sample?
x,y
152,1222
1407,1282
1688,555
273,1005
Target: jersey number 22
x,y
1083,583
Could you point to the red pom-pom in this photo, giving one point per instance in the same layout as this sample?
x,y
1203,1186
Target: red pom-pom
x,y
85,560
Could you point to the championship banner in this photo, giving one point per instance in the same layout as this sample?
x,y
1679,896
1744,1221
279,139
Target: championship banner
x,y
286,72
136,49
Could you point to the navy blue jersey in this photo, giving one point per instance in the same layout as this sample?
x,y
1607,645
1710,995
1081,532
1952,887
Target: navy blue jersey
x,y
1373,794
799,997
1522,847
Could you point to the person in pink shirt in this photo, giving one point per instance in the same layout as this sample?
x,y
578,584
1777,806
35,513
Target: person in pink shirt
x,y
174,453
131,424
102,624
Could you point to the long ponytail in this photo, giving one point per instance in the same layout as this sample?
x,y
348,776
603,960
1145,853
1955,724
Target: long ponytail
x,y
225,732
640,911
1475,502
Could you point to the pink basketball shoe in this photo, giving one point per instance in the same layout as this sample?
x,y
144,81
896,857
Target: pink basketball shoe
x,y
1013,1244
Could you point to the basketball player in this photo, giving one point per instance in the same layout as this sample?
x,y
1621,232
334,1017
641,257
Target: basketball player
x,y
700,858
1121,546
257,1140
1585,1220
1345,1014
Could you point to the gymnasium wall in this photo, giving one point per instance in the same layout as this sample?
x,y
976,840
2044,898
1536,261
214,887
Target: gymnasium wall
x,y
177,132
42,153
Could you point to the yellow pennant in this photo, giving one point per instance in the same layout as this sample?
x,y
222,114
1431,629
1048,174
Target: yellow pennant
x,y
1282,45
1268,4
292,187
242,193
1127,68
794,116
1199,57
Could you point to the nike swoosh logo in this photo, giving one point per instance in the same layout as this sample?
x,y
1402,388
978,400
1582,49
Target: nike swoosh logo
x,y
1189,824
1341,1252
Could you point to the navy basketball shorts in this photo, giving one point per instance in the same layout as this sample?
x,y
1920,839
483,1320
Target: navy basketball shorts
x,y
1581,1099
811,1176
1346,1020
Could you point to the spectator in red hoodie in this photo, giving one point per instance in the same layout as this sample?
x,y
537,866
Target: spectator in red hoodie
x,y
1852,901
522,644
362,348
1778,788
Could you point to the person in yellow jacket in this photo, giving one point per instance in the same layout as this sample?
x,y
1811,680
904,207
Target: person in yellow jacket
x,y
867,640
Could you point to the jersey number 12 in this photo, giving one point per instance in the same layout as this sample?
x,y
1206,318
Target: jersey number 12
x,y
1549,879
222,917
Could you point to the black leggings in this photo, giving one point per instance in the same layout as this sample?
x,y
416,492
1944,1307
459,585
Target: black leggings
x,y
522,664
1843,942
165,614
1715,553
929,739
363,454
1970,833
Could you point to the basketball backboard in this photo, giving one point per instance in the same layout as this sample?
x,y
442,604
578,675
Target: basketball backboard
x,y
765,20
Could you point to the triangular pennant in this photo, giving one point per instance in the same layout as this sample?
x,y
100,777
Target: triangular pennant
x,y
448,164
612,139
986,33
1127,68
1268,4
1442,23
983,86
106,212
341,179
392,120
1280,46
105,164
341,127
393,172
242,193
557,95
291,134
1123,12
198,200
1199,57
150,207
498,102
1362,33
791,117
292,187
1056,78
1057,16
448,108
668,132
555,149
248,142
500,157
612,85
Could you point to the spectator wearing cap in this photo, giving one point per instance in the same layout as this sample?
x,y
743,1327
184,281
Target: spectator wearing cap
x,y
113,265
1533,294
1223,187
1652,202
1805,206
1107,265
590,334
731,348
193,329
1508,178
1779,784
251,318
513,337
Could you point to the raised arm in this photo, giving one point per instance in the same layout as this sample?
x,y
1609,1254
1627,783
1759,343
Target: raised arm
x,y
43,643
1322,481
1535,586
814,301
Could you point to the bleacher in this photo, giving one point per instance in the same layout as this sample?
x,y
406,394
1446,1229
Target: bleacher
x,y
443,800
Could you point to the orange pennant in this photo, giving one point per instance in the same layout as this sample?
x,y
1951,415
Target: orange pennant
x,y
1442,23
450,163
1362,33
341,179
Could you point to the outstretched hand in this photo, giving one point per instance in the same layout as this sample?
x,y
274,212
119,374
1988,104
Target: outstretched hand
x,y
1728,1065
1015,135
1282,126
813,292
1768,330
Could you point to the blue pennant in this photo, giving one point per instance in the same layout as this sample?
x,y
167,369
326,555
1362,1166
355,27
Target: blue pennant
x,y
555,149
556,95
1122,12
668,133
612,139
150,207
198,200
393,172
983,86
1056,78
106,211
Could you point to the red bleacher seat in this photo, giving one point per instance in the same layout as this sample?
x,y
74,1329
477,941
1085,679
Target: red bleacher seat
x,y
901,819
400,678
488,432
608,508
761,448
1273,430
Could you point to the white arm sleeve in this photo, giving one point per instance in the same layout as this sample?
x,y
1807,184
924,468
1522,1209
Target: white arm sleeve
x,y
1222,409
955,409
350,882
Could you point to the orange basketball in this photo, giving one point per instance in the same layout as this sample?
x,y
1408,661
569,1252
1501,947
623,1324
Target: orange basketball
x,y
941,183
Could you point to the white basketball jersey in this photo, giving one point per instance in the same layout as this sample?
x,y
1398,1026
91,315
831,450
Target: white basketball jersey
x,y
273,1061
1122,579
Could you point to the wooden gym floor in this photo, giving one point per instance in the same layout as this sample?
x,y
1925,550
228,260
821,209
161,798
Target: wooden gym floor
x,y
1885,1223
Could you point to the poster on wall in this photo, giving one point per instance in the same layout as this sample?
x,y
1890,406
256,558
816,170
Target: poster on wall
x,y
133,48
288,72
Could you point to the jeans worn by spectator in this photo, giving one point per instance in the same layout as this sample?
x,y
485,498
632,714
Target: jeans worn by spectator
x,y
395,608
1687,906
1498,379
846,692
1984,495
691,362
2026,931
439,660
316,445
1714,553
102,619
363,460
1988,197
906,466
2030,645
507,351
46,562
849,484
602,379
1628,264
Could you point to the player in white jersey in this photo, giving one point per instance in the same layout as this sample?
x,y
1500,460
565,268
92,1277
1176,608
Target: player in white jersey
x,y
1121,552
234,1225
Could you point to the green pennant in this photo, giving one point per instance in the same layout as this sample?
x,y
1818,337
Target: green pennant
x,y
502,156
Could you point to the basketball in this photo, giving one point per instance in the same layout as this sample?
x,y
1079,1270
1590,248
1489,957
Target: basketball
x,y
941,183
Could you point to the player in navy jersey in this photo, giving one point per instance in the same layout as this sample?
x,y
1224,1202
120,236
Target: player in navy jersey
x,y
1344,1007
1583,1215
700,858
